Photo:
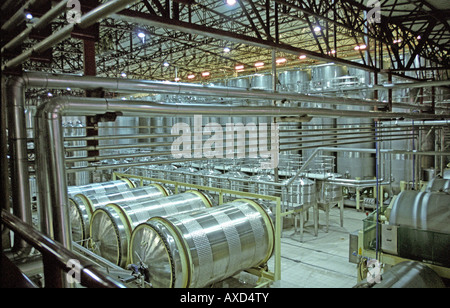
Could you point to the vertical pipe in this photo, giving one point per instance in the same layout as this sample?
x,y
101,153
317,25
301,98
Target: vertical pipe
x,y
4,180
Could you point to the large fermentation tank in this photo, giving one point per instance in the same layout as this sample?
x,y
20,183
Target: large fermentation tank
x,y
200,248
422,210
83,205
294,81
398,167
230,180
111,225
356,164
423,228
101,188
328,193
322,78
300,194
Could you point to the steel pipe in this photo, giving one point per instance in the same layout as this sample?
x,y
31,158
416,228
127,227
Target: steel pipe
x,y
17,135
43,21
48,161
87,20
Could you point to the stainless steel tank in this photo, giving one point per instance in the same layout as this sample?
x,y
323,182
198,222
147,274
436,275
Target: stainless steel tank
x,y
101,188
300,194
357,164
82,206
423,226
261,183
324,76
197,249
422,210
399,167
241,82
228,181
295,80
328,193
410,274
111,225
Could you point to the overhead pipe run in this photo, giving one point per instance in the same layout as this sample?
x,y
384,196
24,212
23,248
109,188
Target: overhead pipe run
x,y
17,85
64,81
86,20
43,21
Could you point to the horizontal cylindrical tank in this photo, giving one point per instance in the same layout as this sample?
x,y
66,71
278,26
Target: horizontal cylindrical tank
x,y
101,188
423,228
111,225
410,274
422,210
200,248
82,206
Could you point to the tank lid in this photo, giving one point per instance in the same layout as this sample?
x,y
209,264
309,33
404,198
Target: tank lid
x,y
107,236
150,245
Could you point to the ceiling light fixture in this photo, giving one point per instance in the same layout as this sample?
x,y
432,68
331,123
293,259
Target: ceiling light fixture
x,y
317,28
29,16
239,67
226,49
166,64
360,47
191,76
281,60
206,74
231,2
301,57
259,64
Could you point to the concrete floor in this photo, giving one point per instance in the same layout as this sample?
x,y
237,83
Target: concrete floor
x,y
322,261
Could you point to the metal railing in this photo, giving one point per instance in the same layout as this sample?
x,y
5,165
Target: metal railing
x,y
56,258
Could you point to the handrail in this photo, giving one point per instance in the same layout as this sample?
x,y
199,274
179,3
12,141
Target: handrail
x,y
56,258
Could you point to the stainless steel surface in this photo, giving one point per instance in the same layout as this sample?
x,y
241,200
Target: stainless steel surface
x,y
294,80
300,194
200,248
64,81
410,274
18,162
111,225
328,193
100,188
86,20
438,185
56,257
422,210
83,205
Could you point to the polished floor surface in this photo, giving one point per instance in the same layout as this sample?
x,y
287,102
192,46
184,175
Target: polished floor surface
x,y
322,261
